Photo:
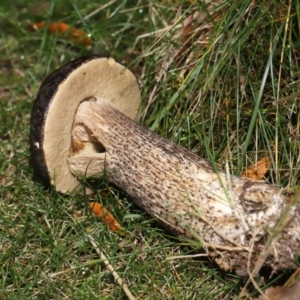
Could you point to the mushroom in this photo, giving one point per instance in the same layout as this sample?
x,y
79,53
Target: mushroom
x,y
59,97
83,124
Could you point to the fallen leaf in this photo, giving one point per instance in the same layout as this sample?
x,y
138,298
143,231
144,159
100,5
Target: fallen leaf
x,y
65,31
282,293
106,217
186,39
258,171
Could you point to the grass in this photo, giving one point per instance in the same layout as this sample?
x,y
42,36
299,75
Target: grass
x,y
217,102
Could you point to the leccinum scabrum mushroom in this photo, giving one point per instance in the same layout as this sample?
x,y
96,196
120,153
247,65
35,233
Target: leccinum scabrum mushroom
x,y
81,124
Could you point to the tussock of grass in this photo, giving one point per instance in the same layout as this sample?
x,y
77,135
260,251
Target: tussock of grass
x,y
216,99
247,60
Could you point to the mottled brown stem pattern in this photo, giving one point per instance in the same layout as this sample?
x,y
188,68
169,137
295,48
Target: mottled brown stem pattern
x,y
232,217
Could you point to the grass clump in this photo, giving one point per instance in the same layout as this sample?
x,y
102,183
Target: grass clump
x,y
227,89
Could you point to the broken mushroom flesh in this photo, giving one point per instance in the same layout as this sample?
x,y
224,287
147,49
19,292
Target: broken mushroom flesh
x,y
242,224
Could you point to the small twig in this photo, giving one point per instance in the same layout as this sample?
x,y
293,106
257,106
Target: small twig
x,y
287,98
186,256
293,278
118,279
93,13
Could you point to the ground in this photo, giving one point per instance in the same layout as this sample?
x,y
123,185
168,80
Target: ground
x,y
222,83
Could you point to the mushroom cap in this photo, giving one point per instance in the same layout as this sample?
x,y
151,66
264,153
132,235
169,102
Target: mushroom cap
x,y
56,104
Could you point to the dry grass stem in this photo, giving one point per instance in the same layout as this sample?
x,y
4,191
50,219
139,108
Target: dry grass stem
x,y
109,266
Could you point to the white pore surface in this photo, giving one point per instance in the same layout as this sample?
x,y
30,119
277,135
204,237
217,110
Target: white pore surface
x,y
102,77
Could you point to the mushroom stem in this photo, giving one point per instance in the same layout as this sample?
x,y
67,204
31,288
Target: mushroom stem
x,y
232,217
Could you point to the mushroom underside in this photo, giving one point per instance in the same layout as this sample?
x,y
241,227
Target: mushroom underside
x,y
54,109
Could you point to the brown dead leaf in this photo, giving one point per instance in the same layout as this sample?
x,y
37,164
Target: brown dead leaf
x,y
106,217
65,31
282,293
258,171
186,39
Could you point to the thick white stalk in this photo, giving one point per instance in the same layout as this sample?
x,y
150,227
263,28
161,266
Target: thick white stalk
x,y
232,217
